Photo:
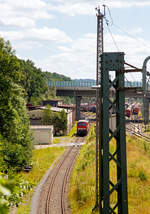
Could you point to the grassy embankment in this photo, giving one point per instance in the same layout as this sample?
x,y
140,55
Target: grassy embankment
x,y
82,186
42,159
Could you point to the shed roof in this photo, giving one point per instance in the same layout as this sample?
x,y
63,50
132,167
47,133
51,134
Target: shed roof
x,y
41,127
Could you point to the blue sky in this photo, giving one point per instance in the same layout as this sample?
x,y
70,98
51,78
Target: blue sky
x,y
60,35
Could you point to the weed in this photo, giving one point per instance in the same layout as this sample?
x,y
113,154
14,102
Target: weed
x,y
82,186
142,176
42,159
145,146
73,130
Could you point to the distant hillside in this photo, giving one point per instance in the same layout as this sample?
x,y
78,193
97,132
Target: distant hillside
x,y
55,77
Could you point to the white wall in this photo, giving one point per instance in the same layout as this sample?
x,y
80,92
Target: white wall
x,y
42,134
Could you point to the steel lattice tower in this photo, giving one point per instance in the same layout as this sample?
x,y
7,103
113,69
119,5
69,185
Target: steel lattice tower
x,y
112,150
98,79
106,186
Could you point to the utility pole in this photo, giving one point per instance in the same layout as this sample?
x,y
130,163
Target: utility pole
x,y
100,48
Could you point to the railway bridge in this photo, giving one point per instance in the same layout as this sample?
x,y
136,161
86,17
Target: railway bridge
x,y
78,89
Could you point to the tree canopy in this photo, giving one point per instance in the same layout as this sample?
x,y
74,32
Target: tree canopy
x,y
16,143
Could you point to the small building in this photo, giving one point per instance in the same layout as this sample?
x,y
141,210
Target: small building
x,y
36,116
54,102
42,134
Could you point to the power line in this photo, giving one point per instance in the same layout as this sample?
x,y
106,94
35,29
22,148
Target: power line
x,y
131,36
107,23
125,32
113,39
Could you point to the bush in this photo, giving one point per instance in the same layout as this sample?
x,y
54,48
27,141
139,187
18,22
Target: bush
x,y
58,119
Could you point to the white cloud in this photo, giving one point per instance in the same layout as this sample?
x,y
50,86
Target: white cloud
x,y
37,34
87,7
18,21
76,61
127,4
23,13
73,9
27,4
79,59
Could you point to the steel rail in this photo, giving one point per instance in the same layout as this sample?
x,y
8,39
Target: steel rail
x,y
66,176
47,208
137,133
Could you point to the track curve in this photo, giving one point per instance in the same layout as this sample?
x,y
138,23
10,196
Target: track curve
x,y
53,197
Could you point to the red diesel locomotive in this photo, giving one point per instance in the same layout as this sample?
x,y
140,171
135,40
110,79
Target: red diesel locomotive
x,y
82,127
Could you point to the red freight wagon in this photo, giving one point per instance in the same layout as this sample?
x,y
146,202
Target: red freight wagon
x,y
128,112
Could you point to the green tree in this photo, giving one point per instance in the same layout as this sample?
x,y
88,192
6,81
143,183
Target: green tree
x,y
33,82
57,119
60,122
47,116
14,121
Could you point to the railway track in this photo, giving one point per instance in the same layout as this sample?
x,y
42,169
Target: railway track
x,y
136,130
53,197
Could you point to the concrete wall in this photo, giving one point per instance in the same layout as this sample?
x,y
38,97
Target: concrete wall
x,y
69,121
42,134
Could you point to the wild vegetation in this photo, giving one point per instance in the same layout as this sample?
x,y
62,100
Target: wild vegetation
x,y
58,119
82,186
42,160
20,82
15,138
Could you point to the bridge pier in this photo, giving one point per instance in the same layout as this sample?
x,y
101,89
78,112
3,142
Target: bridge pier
x,y
78,102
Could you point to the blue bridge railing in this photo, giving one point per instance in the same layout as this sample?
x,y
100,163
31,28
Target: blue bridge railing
x,y
72,84
66,84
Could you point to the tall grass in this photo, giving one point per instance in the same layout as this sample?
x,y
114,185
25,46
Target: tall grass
x,y
42,159
73,130
82,185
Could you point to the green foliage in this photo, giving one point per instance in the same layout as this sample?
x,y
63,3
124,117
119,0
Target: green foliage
x,y
16,142
66,100
14,125
12,189
73,131
58,119
82,186
20,188
142,175
42,160
9,65
82,191
55,77
5,192
91,135
33,82
47,116
60,122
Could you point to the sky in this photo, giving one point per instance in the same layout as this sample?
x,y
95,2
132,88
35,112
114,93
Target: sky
x,y
60,35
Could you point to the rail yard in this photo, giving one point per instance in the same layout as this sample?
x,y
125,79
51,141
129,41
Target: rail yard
x,y
75,144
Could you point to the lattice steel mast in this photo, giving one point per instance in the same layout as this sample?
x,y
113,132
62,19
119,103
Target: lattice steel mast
x,y
100,47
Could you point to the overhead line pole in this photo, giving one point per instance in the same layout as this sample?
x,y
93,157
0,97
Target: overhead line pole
x,y
100,48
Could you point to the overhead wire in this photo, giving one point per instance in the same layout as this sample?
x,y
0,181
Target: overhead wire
x,y
107,23
131,36
113,39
